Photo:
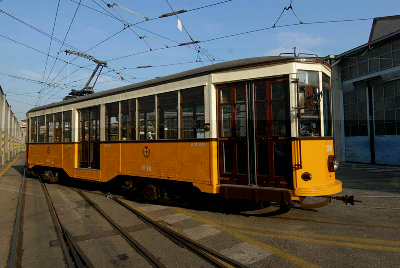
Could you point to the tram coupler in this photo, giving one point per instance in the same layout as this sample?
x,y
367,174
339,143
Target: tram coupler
x,y
348,199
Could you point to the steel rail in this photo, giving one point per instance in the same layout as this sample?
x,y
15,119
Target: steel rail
x,y
72,252
14,259
124,233
211,256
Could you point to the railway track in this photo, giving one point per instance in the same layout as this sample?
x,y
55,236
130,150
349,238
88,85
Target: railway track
x,y
14,259
74,256
209,255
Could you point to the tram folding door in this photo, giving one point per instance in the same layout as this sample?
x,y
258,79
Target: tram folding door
x,y
89,138
254,133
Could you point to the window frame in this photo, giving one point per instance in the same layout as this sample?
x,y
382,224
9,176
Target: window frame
x,y
162,105
112,110
194,104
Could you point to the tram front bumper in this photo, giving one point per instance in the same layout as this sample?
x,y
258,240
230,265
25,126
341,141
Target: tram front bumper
x,y
320,190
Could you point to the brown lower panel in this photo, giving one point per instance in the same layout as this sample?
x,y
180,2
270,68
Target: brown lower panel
x,y
269,194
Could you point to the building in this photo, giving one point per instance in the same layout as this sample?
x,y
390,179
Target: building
x,y
366,80
11,132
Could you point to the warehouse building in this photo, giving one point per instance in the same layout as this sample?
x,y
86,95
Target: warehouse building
x,y
366,81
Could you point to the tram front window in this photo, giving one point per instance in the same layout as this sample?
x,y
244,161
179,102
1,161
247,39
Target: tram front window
x,y
309,103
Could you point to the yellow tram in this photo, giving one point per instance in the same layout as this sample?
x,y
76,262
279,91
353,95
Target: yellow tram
x,y
257,128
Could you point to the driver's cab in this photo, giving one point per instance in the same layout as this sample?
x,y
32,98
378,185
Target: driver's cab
x,y
312,133
314,104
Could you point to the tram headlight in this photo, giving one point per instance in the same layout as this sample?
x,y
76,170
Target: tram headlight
x,y
306,176
333,163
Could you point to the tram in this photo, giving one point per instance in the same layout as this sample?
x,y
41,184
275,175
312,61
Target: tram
x,y
258,129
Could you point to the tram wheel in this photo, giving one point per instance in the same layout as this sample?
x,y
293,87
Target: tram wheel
x,y
284,207
151,192
46,175
49,176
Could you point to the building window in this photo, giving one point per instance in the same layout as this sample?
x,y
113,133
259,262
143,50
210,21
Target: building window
x,y
147,118
41,128
387,108
355,111
192,109
369,60
309,103
112,121
396,52
397,87
128,120
168,115
34,122
57,127
66,128
373,56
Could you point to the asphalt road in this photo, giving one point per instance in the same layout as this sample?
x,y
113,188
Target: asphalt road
x,y
338,235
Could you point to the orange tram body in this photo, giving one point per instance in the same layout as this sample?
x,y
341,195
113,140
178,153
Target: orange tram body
x,y
257,129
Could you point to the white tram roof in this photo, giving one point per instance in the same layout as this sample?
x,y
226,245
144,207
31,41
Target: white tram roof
x,y
223,66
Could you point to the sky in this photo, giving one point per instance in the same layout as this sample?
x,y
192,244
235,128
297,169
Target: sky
x,y
34,34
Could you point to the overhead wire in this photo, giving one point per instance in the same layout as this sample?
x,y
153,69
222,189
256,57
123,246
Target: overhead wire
x,y
44,53
146,30
128,25
36,29
26,103
59,41
51,39
290,7
283,26
249,32
65,37
198,58
33,80
96,45
163,65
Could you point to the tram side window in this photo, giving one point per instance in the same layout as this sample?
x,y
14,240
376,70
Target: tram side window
x,y
57,127
168,115
42,129
34,121
49,128
192,109
67,116
128,120
309,103
147,118
226,112
326,94
112,121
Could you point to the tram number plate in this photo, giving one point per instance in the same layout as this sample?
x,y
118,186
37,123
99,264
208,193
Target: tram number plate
x,y
198,144
146,168
329,148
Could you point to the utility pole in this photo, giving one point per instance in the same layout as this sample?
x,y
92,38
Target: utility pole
x,y
87,89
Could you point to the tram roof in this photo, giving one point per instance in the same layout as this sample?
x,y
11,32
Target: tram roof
x,y
235,64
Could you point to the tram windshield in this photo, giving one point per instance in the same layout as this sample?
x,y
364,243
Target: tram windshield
x,y
311,102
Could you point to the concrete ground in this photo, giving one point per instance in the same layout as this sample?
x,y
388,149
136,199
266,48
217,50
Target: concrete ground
x,y
338,235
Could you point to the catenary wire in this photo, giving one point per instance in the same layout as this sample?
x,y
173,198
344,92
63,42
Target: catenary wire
x,y
65,37
249,32
96,45
44,53
51,38
109,14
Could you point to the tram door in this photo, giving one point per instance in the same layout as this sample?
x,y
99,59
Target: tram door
x,y
89,137
254,129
